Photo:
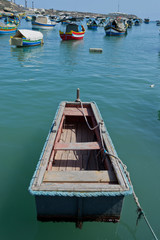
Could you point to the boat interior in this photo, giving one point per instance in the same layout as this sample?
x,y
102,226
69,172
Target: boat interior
x,y
78,154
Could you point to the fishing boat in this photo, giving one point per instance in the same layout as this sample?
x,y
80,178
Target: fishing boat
x,y
7,28
146,20
26,38
28,18
79,176
115,27
73,32
158,22
92,25
42,22
136,22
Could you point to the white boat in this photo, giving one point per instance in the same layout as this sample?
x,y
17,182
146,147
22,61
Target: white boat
x,y
26,38
42,22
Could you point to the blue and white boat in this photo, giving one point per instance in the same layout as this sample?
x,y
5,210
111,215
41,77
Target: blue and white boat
x,y
42,22
26,38
92,25
115,27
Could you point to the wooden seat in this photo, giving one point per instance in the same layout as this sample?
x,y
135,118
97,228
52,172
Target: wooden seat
x,y
77,146
72,111
80,176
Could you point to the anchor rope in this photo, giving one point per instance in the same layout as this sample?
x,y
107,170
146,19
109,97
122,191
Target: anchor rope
x,y
139,209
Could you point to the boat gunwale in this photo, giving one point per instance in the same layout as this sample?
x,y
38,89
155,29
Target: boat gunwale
x,y
37,187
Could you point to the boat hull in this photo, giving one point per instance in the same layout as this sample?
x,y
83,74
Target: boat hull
x,y
36,25
24,42
7,31
110,31
73,209
92,27
72,35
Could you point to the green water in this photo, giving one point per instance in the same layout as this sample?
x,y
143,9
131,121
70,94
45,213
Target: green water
x,y
32,83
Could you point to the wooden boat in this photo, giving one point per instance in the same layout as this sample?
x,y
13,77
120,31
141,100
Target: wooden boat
x,y
28,18
158,22
76,179
42,22
73,32
92,25
146,20
115,27
136,22
26,38
7,28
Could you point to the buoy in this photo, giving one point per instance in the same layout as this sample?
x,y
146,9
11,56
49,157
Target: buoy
x,y
152,85
96,50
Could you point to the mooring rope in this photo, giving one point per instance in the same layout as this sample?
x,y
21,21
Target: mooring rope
x,y
140,211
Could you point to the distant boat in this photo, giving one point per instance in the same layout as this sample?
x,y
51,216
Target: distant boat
x,y
130,23
7,28
146,20
115,27
158,22
28,18
42,22
26,38
136,22
78,177
92,25
73,32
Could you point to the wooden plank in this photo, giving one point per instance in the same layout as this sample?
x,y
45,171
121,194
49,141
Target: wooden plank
x,y
109,148
49,146
80,187
79,153
74,111
81,176
77,146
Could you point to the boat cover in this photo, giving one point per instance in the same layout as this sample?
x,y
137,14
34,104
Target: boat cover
x,y
29,34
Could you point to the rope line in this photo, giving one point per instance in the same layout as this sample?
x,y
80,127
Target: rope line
x,y
139,209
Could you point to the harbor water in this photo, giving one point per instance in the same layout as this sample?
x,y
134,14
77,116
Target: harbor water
x,y
124,81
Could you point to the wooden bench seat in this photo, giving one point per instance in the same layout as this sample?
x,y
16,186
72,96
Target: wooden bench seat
x,y
72,111
77,146
80,176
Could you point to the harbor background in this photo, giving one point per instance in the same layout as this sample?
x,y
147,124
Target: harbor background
x,y
32,83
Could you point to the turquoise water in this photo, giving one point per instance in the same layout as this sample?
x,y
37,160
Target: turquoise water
x,y
32,83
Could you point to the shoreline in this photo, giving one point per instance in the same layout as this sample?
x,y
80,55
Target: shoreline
x,y
6,6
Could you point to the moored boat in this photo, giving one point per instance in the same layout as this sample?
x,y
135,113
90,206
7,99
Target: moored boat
x,y
146,20
158,22
26,38
73,32
79,177
115,27
42,22
92,25
28,18
136,22
7,28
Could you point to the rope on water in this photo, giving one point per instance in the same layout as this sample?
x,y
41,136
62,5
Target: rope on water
x,y
140,211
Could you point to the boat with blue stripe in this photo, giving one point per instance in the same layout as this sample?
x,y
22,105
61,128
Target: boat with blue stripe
x,y
115,27
42,22
26,38
7,28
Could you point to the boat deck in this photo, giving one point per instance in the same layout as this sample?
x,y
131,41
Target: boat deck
x,y
80,160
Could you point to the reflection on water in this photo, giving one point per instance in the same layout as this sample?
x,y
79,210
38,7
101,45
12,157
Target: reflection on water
x,y
70,51
159,115
26,53
71,44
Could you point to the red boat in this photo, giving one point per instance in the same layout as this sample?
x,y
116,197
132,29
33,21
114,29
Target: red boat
x,y
73,32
